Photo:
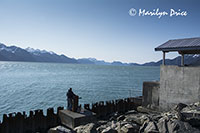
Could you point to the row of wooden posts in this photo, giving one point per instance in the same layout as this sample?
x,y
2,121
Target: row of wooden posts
x,y
121,105
38,122
35,122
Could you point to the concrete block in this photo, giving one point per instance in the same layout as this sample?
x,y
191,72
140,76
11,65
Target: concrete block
x,y
150,93
73,119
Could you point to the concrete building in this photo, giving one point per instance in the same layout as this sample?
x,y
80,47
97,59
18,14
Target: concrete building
x,y
178,84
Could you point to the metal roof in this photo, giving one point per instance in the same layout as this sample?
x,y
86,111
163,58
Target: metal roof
x,y
180,45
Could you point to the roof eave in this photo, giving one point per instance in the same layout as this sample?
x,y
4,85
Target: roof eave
x,y
177,49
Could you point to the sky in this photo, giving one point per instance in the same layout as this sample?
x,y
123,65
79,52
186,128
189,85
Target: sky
x,y
101,29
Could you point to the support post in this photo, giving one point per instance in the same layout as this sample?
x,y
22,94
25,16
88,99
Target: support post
x,y
163,62
182,60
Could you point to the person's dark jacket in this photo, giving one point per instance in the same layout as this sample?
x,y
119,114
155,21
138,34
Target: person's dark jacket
x,y
70,94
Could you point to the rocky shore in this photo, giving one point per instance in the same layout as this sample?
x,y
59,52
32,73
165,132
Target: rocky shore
x,y
180,119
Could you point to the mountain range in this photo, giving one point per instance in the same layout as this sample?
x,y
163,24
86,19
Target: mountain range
x,y
14,53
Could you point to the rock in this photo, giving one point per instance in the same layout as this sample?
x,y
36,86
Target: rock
x,y
118,126
153,107
101,122
89,128
113,125
192,108
177,111
179,107
109,130
197,104
121,117
137,118
142,109
169,115
129,128
144,125
181,127
121,123
101,128
116,114
113,116
146,110
187,128
180,116
162,125
151,128
60,129
156,117
194,121
173,126
131,112
191,114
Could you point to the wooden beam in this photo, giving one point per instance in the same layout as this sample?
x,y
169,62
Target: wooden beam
x,y
189,52
163,62
182,60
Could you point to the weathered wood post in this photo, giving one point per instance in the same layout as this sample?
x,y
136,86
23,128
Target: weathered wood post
x,y
75,104
5,126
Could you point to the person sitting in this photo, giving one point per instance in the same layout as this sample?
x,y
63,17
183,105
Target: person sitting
x,y
70,99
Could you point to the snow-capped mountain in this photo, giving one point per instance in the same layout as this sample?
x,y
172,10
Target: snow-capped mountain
x,y
13,53
10,49
93,61
37,51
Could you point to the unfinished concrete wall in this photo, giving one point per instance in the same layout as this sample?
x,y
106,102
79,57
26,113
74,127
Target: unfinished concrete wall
x,y
151,94
178,85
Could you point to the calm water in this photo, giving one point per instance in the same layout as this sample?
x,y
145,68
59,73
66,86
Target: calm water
x,y
30,86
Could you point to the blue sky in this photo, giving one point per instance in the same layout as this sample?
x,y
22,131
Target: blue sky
x,y
102,29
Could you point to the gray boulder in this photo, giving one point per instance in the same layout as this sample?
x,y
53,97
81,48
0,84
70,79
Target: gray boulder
x,y
129,128
89,128
151,128
109,130
179,107
60,129
121,117
162,125
181,127
191,114
131,112
137,118
175,126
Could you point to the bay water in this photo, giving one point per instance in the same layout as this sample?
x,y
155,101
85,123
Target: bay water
x,y
26,86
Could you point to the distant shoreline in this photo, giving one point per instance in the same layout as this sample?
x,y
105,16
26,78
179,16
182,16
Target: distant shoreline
x,y
14,53
71,63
